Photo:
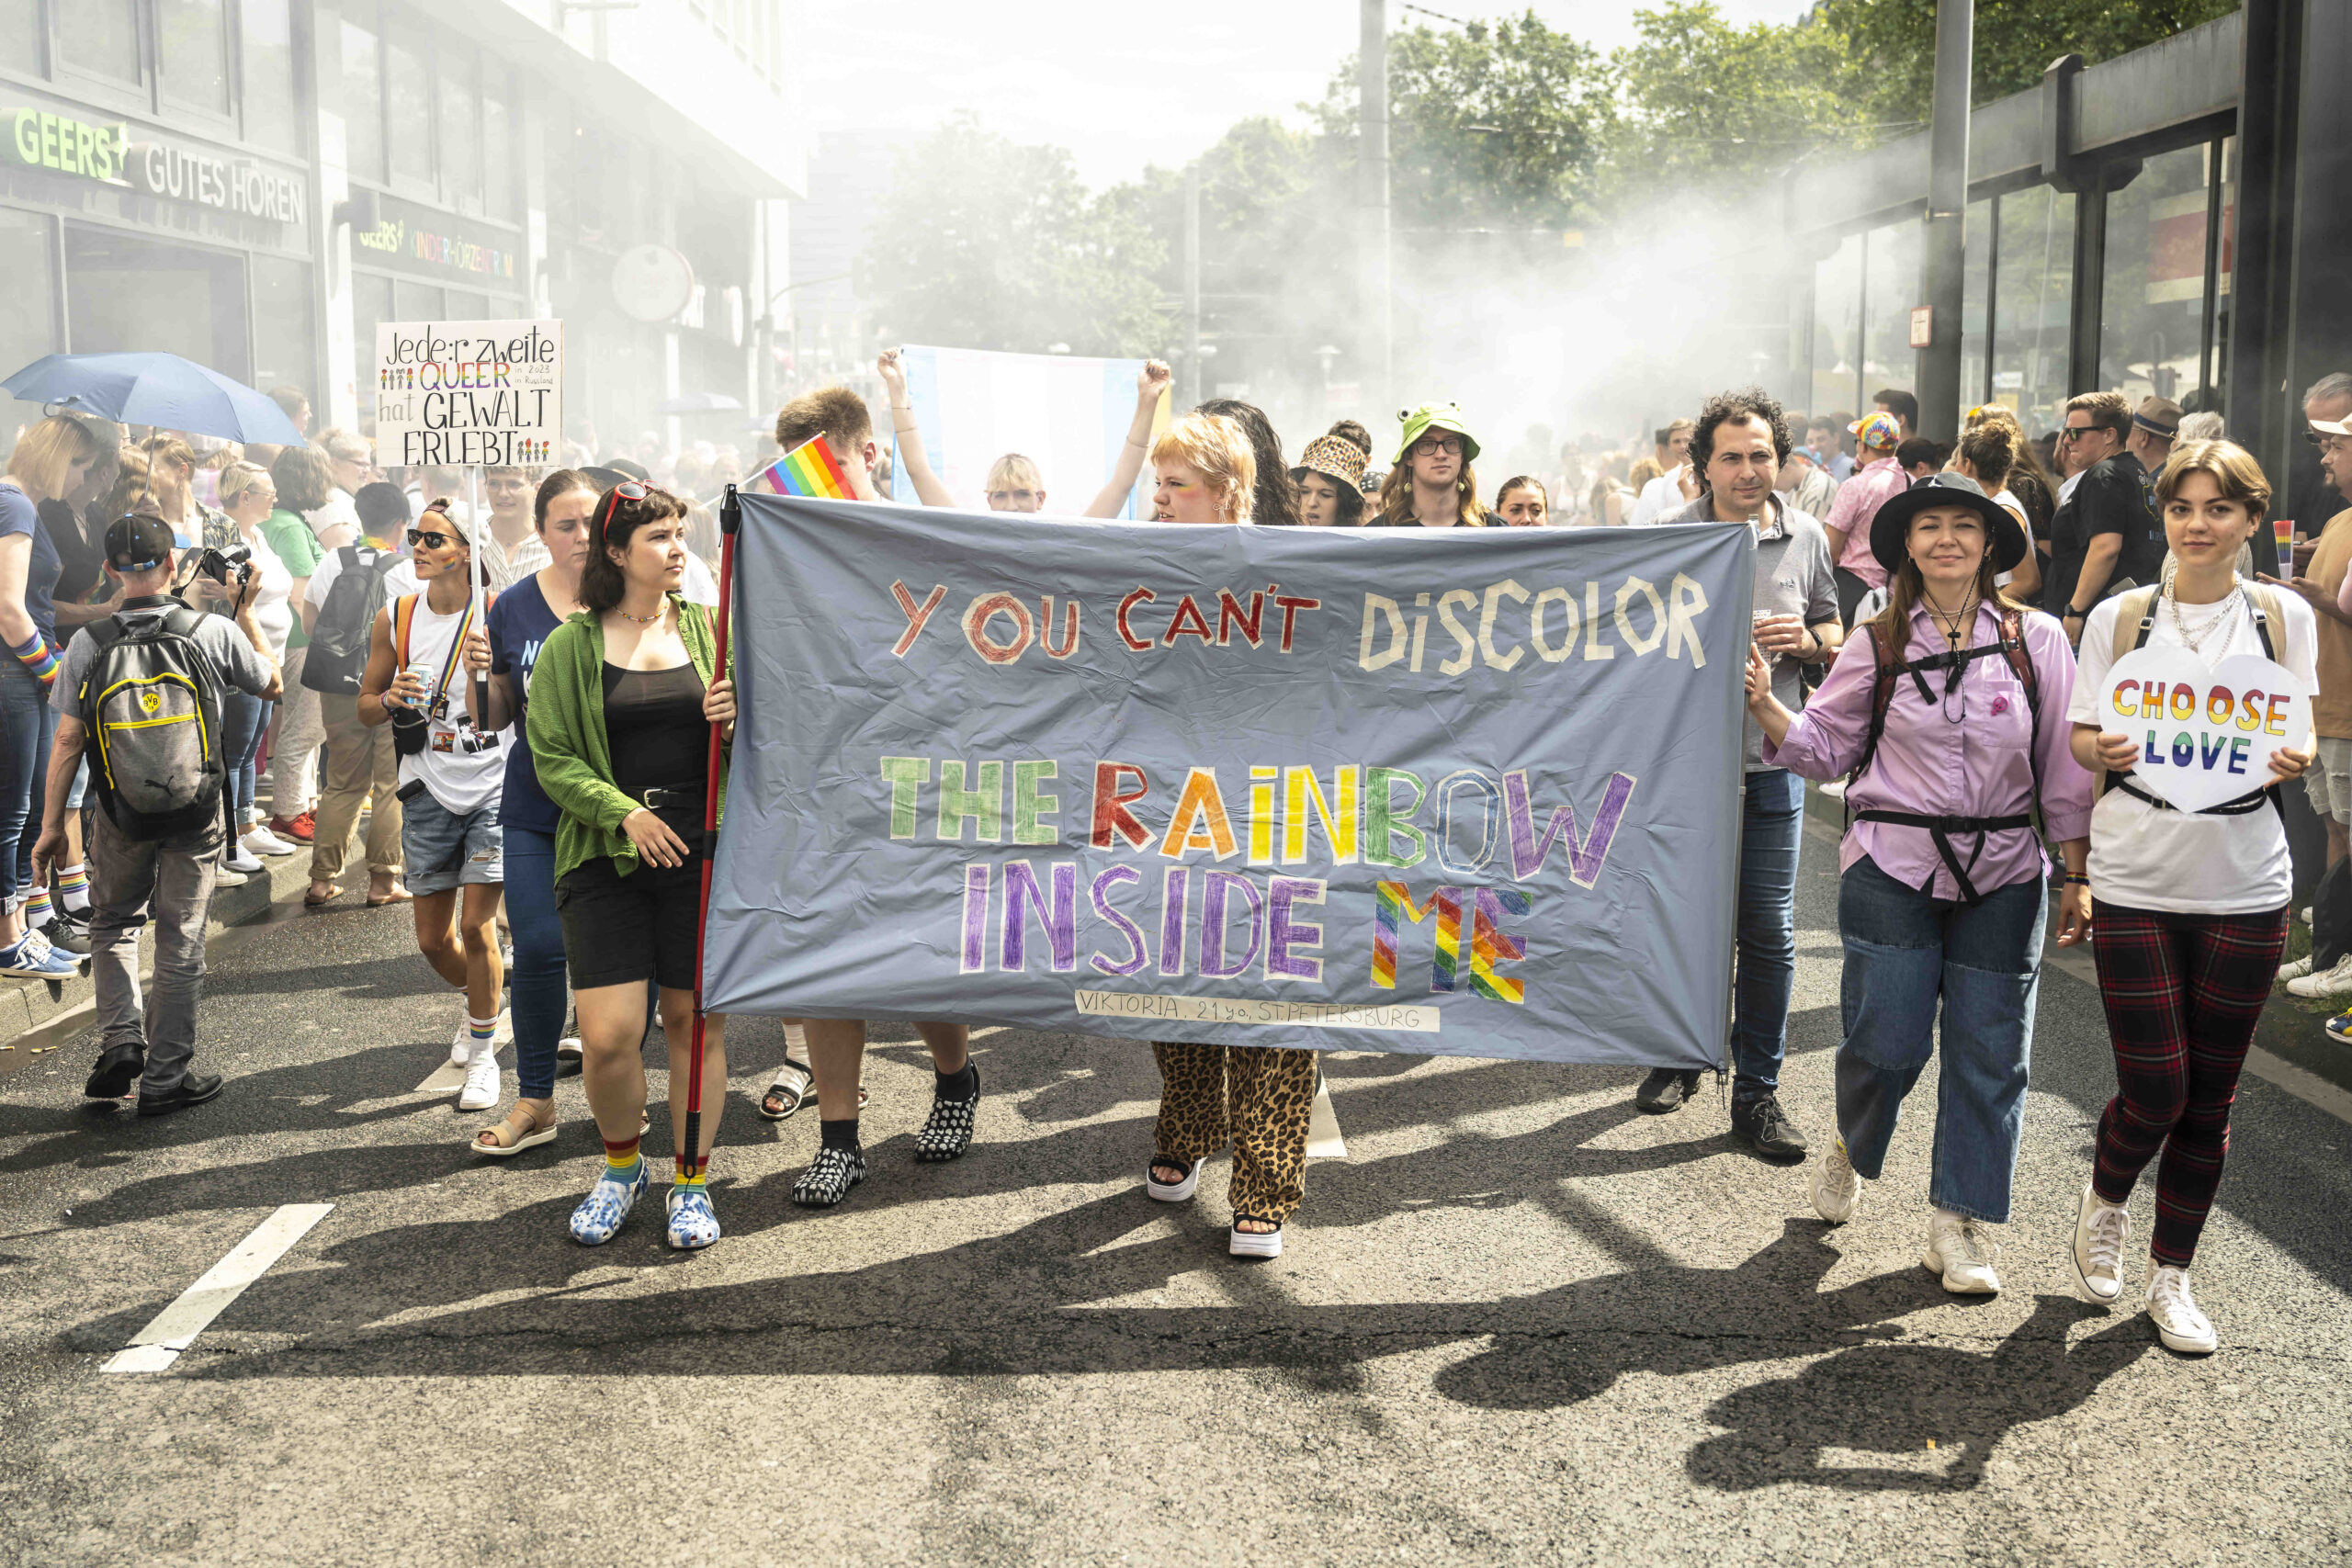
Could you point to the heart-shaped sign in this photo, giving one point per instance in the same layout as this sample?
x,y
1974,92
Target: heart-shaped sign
x,y
2203,732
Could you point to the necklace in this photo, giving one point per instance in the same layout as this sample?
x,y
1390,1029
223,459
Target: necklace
x,y
2225,614
1952,622
643,620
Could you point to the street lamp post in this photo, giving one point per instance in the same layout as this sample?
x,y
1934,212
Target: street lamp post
x,y
1372,198
1943,261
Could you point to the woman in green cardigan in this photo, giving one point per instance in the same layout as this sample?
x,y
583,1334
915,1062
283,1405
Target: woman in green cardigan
x,y
622,701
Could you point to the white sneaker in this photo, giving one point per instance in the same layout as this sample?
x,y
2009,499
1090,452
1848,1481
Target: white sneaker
x,y
2100,1231
1835,789
226,875
1958,1249
2335,982
2295,968
462,1044
261,842
1836,1186
238,858
2178,1322
485,1084
2305,914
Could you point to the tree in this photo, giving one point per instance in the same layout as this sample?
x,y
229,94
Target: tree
x,y
1715,108
982,243
1890,45
1498,125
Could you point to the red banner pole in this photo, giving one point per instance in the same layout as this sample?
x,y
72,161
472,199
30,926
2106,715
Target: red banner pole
x,y
729,519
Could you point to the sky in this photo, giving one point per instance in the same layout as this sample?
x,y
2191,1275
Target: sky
x,y
1122,86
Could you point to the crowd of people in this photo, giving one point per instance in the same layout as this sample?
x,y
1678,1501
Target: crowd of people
x,y
1932,626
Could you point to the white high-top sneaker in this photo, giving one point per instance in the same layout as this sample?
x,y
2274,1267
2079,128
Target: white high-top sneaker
x,y
2100,1231
2178,1322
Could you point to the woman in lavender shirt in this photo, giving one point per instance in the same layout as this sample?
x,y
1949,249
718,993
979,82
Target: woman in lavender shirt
x,y
1943,885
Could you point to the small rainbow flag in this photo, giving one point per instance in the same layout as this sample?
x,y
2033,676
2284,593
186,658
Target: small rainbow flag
x,y
808,470
2283,530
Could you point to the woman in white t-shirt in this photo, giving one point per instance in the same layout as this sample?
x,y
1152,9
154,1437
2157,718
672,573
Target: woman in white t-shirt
x,y
451,775
2192,907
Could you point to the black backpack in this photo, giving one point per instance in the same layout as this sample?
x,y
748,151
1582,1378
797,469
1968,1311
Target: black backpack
x,y
338,654
152,700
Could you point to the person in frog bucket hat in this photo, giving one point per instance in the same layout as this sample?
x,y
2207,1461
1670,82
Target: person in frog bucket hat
x,y
1432,485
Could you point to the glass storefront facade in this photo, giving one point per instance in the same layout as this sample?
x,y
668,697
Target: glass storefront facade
x,y
2162,293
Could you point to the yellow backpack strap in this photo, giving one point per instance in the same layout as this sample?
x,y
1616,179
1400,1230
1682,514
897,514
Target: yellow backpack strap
x,y
2130,609
403,617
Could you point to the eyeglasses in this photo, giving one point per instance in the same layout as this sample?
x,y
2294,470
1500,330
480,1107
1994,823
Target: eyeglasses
x,y
430,539
1430,446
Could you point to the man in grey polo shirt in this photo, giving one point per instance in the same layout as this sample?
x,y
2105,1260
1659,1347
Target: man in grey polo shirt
x,y
1738,450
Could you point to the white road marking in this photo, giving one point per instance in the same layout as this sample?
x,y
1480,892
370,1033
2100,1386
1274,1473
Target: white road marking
x,y
154,1348
446,1077
984,1034
1323,1140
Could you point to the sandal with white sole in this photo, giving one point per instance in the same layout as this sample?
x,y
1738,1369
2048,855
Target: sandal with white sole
x,y
789,1092
518,1130
1177,1192
1256,1244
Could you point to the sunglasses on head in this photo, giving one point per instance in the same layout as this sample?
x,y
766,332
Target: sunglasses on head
x,y
628,489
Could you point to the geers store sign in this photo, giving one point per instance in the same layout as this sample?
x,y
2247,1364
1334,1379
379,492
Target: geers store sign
x,y
42,140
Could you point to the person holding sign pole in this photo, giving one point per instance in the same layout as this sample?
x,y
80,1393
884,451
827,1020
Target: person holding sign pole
x,y
1257,1098
520,623
2193,905
450,774
1935,709
622,699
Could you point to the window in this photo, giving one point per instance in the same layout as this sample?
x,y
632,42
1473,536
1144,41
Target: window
x,y
2217,354
1836,328
371,301
460,126
2033,291
194,35
284,352
269,90
363,102
408,104
102,37
27,328
498,154
465,305
1891,289
418,303
20,34
125,292
2152,301
1975,299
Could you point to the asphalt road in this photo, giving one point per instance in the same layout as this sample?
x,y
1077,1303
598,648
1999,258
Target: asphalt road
x,y
1518,1322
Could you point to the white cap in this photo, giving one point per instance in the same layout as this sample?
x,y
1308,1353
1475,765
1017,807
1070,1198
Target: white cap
x,y
2333,426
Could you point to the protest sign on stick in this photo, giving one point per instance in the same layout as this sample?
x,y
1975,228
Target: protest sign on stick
x,y
469,395
2205,732
1467,792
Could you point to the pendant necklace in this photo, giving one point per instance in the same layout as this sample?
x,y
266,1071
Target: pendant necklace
x,y
2222,616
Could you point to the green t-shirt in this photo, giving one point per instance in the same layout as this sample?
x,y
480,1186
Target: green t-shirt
x,y
298,549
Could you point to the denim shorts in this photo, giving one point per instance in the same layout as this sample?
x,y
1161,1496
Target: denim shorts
x,y
443,850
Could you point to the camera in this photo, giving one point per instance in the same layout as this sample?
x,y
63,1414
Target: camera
x,y
217,564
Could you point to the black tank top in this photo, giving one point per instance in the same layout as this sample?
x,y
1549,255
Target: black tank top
x,y
654,725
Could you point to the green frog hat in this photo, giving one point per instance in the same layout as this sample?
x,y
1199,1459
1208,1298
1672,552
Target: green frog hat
x,y
1420,422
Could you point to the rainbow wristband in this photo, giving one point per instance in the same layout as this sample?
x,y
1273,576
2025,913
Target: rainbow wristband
x,y
38,654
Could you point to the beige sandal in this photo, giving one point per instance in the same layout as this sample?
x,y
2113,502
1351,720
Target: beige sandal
x,y
518,1130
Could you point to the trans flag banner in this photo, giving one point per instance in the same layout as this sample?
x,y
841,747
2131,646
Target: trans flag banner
x,y
1464,792
1068,414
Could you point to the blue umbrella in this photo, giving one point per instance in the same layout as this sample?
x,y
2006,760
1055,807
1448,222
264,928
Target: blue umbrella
x,y
154,388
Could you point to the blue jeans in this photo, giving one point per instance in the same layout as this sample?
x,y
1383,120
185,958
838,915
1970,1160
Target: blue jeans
x,y
1903,950
540,998
1774,803
243,718
24,728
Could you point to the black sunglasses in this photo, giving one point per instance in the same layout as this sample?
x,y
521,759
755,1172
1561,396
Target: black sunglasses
x,y
428,538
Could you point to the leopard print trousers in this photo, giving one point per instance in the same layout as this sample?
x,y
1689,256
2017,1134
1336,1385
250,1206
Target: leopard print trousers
x,y
1256,1097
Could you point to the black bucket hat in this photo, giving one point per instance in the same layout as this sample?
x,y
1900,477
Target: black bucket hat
x,y
1891,526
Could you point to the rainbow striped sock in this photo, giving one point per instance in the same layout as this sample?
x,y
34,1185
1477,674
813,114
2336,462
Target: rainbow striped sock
x,y
37,910
481,1030
693,1173
73,887
621,1160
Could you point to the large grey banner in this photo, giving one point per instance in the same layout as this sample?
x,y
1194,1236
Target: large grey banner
x,y
1461,791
